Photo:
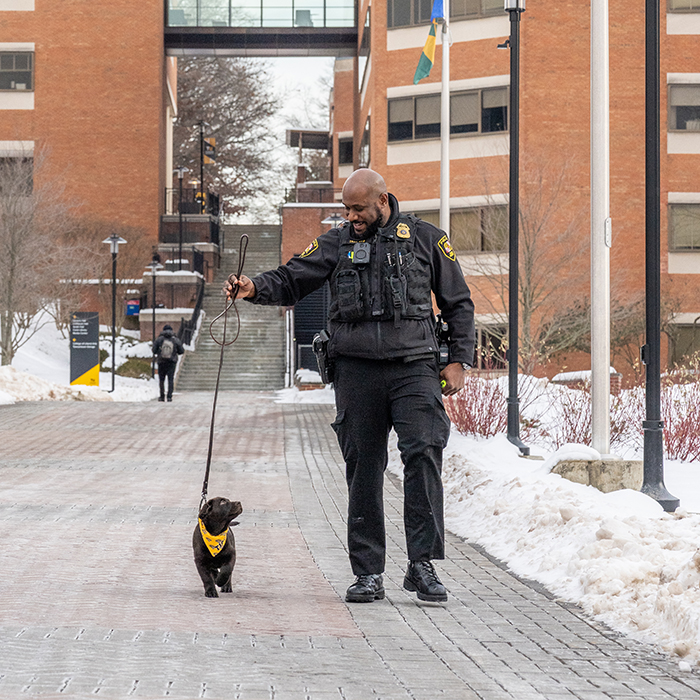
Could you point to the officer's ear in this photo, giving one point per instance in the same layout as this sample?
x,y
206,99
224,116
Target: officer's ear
x,y
383,199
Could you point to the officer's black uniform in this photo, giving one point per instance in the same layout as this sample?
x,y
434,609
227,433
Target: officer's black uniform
x,y
383,345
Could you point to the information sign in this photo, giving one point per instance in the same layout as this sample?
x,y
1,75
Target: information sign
x,y
85,348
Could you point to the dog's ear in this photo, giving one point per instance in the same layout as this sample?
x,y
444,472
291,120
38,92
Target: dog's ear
x,y
205,509
233,524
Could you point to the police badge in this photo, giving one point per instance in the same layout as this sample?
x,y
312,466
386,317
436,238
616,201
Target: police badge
x,y
403,231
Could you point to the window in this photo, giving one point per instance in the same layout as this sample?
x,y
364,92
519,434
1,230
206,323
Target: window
x,y
480,111
17,175
364,154
344,151
684,5
490,352
684,108
404,13
684,226
686,342
16,71
475,230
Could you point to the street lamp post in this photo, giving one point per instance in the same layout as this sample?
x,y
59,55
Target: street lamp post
x,y
114,242
653,484
514,8
180,174
154,266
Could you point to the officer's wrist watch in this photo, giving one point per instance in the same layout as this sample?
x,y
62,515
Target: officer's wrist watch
x,y
466,366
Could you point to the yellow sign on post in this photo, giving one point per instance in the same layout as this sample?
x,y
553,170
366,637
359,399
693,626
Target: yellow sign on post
x,y
85,348
209,150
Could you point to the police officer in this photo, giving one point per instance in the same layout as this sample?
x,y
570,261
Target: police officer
x,y
382,267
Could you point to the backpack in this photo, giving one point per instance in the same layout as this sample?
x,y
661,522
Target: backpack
x,y
167,349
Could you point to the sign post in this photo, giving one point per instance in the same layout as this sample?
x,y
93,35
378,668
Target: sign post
x,y
85,348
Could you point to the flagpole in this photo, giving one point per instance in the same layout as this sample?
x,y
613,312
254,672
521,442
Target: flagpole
x,y
445,124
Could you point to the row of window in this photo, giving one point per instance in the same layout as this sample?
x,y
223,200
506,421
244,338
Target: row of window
x,y
405,13
477,112
485,229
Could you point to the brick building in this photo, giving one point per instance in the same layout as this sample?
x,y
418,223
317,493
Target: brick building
x,y
90,83
396,131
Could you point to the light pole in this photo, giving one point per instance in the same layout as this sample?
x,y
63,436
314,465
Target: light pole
x,y
514,8
180,174
114,242
651,352
154,266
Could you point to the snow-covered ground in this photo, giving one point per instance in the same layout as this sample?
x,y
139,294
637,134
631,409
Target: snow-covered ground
x,y
618,555
41,371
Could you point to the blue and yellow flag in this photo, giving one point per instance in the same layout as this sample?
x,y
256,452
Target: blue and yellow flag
x,y
427,58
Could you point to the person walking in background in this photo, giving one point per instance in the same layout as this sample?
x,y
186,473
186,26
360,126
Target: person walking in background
x,y
166,349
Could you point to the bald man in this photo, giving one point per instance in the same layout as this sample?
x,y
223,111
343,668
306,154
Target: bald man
x,y
382,267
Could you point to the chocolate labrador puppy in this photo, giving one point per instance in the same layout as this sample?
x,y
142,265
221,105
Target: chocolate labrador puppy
x,y
214,546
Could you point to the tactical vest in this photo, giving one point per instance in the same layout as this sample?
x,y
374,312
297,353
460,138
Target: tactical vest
x,y
393,284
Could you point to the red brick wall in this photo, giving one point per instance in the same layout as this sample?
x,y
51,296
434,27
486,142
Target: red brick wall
x,y
99,104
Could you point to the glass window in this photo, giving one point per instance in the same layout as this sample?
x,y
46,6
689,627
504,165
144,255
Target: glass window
x,y
491,343
427,116
402,13
684,226
344,151
494,110
401,119
464,113
475,230
686,343
17,71
364,154
684,5
684,108
480,111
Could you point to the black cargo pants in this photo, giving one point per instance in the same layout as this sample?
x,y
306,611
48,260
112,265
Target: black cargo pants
x,y
372,396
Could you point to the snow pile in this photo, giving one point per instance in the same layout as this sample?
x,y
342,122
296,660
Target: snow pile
x,y
570,453
294,395
20,386
618,555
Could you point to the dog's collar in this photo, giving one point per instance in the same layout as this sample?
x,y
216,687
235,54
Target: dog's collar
x,y
214,543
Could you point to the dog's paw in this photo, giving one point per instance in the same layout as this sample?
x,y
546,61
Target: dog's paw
x,y
226,588
211,593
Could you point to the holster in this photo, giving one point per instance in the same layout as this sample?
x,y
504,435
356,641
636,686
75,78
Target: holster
x,y
320,348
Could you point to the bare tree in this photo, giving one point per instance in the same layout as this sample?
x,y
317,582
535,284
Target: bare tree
x,y
33,217
86,272
233,97
551,277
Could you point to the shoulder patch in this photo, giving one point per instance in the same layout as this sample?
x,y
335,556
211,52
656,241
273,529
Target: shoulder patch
x,y
446,248
310,248
403,231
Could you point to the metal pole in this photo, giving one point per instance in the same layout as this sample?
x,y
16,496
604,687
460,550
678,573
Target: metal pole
x,y
179,206
513,249
600,228
445,124
153,331
114,313
201,163
651,352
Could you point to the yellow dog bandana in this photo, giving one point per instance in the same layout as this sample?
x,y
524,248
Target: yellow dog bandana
x,y
215,543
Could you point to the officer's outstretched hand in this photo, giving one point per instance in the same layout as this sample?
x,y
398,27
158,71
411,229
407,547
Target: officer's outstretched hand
x,y
246,288
452,378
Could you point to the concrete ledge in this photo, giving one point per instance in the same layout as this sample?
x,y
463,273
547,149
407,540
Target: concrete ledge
x,y
605,475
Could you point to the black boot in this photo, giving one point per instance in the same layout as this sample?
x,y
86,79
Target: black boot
x,y
421,577
366,589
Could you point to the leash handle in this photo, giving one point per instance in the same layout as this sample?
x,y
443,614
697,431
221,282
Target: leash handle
x,y
242,247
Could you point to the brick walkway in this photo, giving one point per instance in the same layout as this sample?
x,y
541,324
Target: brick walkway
x,y
99,597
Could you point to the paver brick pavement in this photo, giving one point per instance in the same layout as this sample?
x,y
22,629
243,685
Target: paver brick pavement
x,y
99,597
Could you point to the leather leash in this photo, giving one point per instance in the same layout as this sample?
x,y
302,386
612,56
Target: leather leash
x,y
243,246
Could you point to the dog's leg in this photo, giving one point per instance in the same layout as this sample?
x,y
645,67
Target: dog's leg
x,y
207,579
223,580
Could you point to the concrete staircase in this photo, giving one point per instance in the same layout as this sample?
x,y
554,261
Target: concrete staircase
x,y
256,360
